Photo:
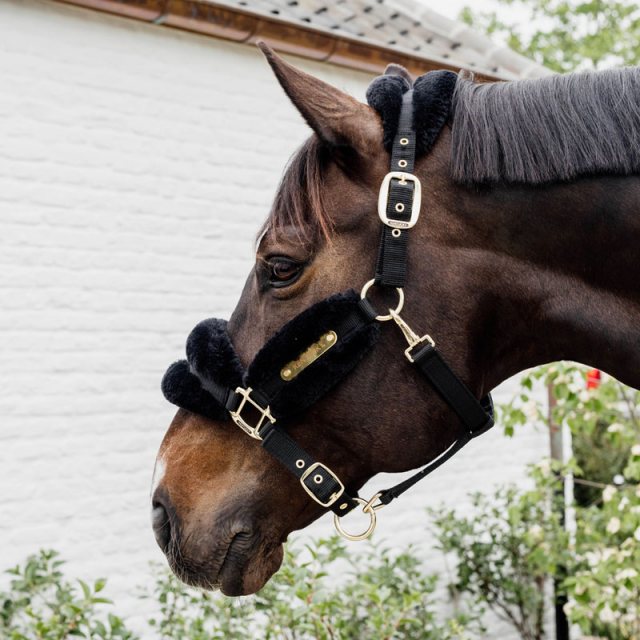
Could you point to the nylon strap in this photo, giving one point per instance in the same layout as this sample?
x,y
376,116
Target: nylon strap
x,y
452,390
391,267
319,481
476,416
397,490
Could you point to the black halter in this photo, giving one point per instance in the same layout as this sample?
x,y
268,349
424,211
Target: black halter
x,y
317,349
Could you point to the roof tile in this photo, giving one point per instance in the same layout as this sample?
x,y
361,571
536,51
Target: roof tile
x,y
405,25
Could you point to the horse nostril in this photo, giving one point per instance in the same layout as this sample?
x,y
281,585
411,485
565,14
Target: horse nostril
x,y
161,525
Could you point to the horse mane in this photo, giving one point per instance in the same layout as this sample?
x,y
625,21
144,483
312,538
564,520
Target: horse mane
x,y
298,201
537,131
547,130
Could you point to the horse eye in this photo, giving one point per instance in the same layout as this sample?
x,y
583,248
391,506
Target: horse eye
x,y
283,271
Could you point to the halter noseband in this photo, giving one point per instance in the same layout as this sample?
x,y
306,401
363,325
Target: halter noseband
x,y
317,349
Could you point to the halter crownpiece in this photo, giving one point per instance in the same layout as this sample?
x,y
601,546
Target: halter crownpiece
x,y
318,348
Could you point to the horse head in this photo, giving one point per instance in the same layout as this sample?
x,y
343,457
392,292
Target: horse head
x,y
222,506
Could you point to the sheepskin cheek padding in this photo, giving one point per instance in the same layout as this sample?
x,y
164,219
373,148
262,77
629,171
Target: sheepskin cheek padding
x,y
182,388
298,335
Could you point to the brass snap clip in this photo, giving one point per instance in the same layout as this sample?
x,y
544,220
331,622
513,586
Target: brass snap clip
x,y
369,507
410,335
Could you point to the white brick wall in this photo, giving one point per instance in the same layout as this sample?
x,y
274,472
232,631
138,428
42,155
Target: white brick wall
x,y
123,148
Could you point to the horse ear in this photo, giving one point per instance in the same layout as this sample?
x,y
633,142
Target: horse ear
x,y
335,116
394,69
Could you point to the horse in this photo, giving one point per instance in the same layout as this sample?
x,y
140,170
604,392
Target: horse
x,y
526,253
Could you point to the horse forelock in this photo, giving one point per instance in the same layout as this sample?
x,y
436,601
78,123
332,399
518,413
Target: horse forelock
x,y
547,130
298,202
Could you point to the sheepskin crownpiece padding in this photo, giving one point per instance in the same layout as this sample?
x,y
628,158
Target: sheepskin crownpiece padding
x,y
432,96
385,96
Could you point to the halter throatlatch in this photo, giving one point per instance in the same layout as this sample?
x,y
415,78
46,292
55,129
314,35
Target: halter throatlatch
x,y
318,348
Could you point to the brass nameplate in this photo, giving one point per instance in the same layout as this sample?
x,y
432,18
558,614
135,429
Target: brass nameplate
x,y
308,356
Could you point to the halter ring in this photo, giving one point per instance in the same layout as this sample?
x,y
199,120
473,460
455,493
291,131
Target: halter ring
x,y
367,507
398,309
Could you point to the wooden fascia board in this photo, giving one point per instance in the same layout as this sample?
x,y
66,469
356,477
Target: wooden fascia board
x,y
241,26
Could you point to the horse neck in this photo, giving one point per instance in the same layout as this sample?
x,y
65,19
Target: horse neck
x,y
539,274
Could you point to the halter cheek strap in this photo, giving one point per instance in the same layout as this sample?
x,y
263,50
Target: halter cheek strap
x,y
318,348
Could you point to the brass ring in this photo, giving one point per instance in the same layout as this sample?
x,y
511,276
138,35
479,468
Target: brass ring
x,y
358,536
398,309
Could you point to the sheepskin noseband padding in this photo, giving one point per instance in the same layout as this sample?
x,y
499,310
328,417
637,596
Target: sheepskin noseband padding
x,y
354,340
432,96
212,368
211,362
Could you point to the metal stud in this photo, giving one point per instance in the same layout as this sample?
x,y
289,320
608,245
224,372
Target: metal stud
x,y
317,478
402,163
343,506
299,464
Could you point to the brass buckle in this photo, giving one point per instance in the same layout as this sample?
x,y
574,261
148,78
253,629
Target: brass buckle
x,y
411,337
334,496
236,416
368,507
383,199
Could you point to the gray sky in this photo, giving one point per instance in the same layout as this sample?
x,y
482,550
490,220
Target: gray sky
x,y
451,8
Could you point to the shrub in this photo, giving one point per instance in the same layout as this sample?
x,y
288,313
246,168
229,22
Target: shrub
x,y
331,595
507,549
42,605
513,539
327,595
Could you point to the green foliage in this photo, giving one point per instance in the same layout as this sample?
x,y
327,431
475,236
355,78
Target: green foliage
x,y
375,596
604,422
323,593
604,587
565,35
506,549
42,605
512,539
